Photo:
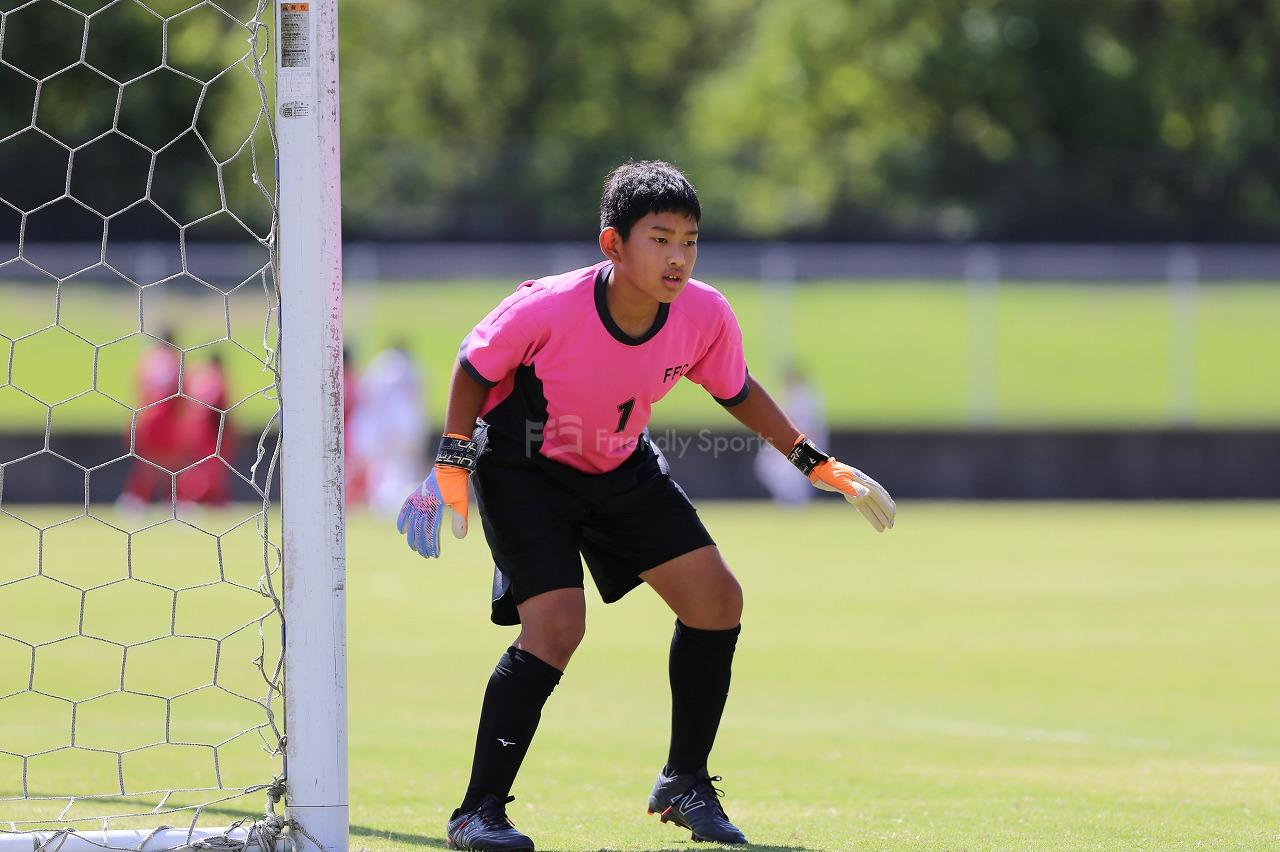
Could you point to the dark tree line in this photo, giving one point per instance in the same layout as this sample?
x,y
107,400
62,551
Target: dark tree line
x,y
1005,119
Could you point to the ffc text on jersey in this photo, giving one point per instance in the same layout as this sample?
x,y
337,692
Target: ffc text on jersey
x,y
673,373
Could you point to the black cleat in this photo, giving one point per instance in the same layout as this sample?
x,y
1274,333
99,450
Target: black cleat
x,y
486,829
692,802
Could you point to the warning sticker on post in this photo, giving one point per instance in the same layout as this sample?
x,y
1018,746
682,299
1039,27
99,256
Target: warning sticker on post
x,y
295,35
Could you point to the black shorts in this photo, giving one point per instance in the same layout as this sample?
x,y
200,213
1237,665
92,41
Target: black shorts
x,y
539,515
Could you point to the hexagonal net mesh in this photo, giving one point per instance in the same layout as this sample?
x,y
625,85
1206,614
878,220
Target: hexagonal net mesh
x,y
140,615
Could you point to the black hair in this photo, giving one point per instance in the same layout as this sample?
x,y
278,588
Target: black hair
x,y
635,189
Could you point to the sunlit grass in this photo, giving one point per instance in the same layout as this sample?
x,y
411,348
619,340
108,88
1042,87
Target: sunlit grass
x,y
984,677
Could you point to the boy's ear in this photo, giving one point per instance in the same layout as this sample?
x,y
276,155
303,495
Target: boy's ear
x,y
611,244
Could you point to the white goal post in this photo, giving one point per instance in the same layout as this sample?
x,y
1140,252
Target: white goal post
x,y
283,563
310,257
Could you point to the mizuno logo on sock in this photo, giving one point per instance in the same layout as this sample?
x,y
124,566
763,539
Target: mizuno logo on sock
x,y
505,743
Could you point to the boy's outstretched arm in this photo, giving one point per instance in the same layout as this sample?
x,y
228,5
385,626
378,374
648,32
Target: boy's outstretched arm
x,y
446,484
466,398
759,413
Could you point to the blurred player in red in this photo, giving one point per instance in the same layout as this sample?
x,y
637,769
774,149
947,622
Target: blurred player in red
x,y
202,423
156,435
353,463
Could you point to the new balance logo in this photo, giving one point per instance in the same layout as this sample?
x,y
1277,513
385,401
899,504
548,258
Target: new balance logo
x,y
505,743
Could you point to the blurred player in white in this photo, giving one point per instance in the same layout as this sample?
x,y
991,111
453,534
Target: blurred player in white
x,y
388,428
803,402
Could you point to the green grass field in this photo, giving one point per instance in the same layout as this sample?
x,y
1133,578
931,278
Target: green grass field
x,y
985,677
884,354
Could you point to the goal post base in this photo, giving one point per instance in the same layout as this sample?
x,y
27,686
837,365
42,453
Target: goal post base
x,y
242,839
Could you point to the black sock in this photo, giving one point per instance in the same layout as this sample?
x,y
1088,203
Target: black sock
x,y
700,667
519,686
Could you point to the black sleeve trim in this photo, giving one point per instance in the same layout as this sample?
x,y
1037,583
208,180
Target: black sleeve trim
x,y
738,397
475,374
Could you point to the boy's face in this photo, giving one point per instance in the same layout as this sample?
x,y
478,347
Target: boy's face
x,y
659,254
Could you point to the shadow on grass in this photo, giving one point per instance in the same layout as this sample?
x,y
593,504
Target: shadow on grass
x,y
749,847
398,837
436,843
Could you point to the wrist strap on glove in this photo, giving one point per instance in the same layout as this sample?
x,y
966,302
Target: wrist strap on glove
x,y
458,451
805,455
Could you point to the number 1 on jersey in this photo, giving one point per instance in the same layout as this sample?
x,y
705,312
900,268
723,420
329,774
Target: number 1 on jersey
x,y
624,413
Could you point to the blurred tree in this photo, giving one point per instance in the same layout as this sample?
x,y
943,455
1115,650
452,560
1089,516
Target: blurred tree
x,y
501,119
993,119
1005,120
155,105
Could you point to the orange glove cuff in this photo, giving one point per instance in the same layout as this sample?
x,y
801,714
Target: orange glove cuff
x,y
454,463
453,486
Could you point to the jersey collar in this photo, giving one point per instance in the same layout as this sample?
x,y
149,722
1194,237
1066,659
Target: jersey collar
x,y
602,308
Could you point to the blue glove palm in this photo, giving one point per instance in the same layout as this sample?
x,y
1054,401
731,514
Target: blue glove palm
x,y
419,519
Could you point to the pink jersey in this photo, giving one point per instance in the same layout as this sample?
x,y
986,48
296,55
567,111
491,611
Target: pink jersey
x,y
564,381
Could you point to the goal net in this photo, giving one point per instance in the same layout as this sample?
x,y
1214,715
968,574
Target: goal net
x,y
148,699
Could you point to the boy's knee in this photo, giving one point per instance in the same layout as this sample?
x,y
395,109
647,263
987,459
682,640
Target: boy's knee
x,y
552,625
720,607
554,640
729,603
566,634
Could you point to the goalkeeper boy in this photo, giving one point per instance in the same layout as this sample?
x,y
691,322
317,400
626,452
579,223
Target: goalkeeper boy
x,y
564,373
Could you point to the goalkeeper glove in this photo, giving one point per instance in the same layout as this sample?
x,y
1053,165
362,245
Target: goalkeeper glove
x,y
862,491
446,485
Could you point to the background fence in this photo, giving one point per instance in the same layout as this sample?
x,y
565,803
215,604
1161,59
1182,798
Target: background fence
x,y
1007,370
364,262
